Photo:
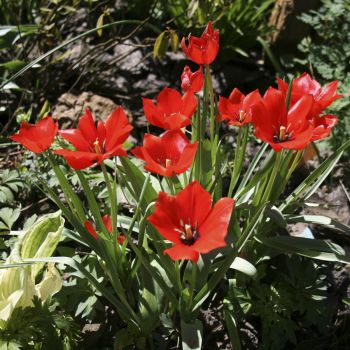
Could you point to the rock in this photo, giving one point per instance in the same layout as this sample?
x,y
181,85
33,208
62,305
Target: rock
x,y
70,107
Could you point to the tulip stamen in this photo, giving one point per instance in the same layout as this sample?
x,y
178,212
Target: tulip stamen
x,y
241,115
282,134
97,147
188,235
167,162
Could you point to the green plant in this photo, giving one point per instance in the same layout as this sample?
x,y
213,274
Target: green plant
x,y
326,51
288,295
240,22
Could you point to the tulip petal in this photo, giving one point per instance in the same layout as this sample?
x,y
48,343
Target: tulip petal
x,y
194,204
213,231
87,127
78,160
165,218
182,251
76,138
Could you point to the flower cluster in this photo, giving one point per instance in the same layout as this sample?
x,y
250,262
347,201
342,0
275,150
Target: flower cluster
x,y
284,119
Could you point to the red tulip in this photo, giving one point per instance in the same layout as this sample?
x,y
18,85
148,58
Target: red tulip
x,y
202,50
106,219
305,85
323,126
173,111
167,155
36,137
282,129
237,108
190,222
192,81
95,144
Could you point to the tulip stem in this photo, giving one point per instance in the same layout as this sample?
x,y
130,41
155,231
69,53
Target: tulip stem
x,y
210,93
112,199
272,179
241,146
72,199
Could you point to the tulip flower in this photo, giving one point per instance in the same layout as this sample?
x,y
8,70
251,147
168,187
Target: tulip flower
x,y
192,81
189,221
202,50
305,85
281,128
36,137
167,155
323,126
95,144
106,219
237,108
173,111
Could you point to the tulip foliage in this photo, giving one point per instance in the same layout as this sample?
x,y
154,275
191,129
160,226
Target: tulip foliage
x,y
188,226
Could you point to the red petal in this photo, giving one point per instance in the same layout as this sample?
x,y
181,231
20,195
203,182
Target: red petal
x,y
186,159
107,221
165,218
188,104
176,121
298,113
38,137
182,251
275,104
194,204
87,127
153,115
168,101
213,230
76,138
236,97
117,129
90,228
78,160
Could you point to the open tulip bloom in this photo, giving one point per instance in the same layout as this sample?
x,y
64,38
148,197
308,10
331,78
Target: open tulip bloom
x,y
237,108
173,110
178,234
190,222
94,144
37,137
167,155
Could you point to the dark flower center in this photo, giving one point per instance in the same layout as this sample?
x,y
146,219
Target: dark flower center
x,y
188,234
283,135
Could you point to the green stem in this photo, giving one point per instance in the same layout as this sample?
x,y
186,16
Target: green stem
x,y
241,146
112,199
210,93
272,179
72,199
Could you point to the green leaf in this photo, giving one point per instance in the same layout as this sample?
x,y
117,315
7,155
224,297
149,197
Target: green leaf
x,y
275,214
99,24
124,312
161,45
8,217
312,248
174,40
191,334
319,220
232,328
244,266
308,187
137,179
42,239
14,65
